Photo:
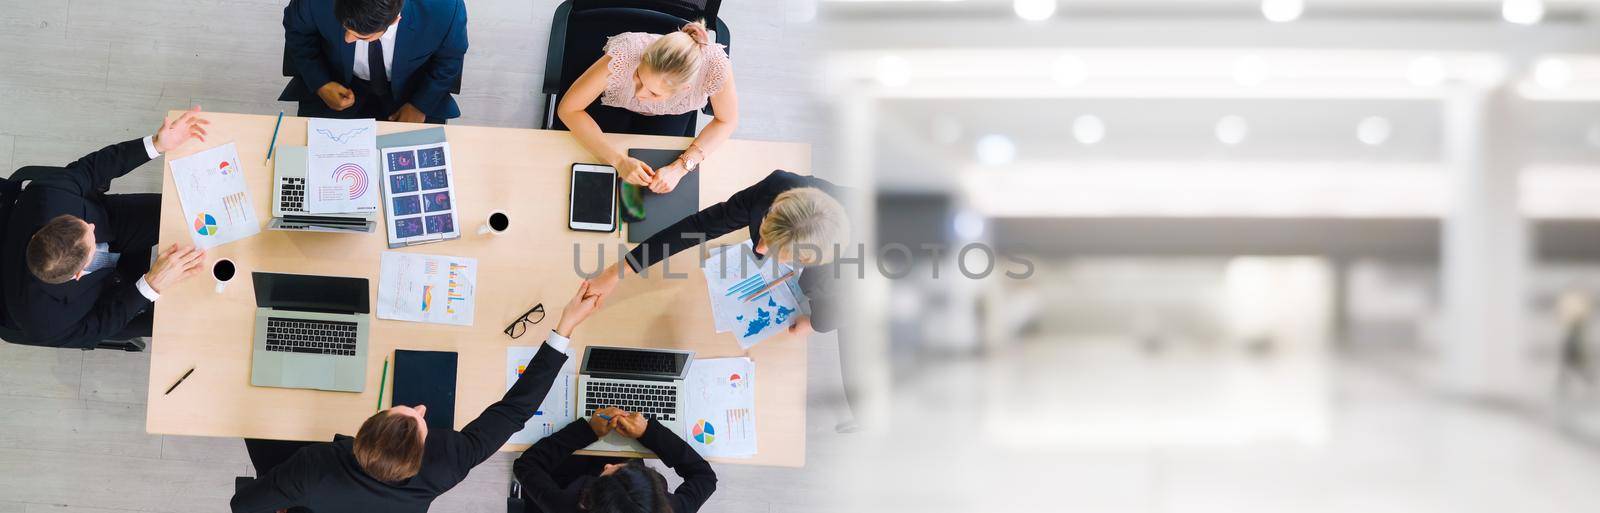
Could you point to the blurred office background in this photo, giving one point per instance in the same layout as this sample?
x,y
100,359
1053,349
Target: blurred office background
x,y
1309,255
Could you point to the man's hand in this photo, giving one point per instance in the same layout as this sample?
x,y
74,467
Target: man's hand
x,y
667,177
408,114
801,326
601,425
606,282
336,95
631,425
174,265
635,171
585,302
173,133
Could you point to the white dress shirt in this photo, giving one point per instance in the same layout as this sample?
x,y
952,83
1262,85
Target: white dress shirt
x,y
363,69
557,342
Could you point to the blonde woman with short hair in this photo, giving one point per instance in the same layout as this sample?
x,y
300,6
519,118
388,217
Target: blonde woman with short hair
x,y
644,84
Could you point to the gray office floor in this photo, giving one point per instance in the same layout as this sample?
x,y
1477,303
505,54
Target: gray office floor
x,y
76,75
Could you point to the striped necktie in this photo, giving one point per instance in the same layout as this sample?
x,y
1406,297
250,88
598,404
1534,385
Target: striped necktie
x,y
103,258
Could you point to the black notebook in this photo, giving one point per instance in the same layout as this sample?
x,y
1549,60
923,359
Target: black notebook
x,y
661,210
427,378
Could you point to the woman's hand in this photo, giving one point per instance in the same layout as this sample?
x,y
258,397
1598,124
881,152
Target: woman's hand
x,y
604,420
606,282
631,425
667,177
582,304
635,171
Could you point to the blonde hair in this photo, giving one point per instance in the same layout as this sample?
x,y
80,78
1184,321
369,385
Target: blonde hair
x,y
803,225
677,56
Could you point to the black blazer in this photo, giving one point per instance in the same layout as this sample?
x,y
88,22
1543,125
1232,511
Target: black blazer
x,y
822,284
82,312
325,477
534,469
430,46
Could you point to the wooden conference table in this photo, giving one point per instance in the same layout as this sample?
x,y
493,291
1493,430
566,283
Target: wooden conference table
x,y
523,172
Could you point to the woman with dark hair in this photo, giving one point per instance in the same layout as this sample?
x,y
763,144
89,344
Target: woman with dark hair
x,y
555,481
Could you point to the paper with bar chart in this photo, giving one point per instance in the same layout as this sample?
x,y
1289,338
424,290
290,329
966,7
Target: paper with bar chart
x,y
557,410
427,288
341,166
216,203
720,410
731,275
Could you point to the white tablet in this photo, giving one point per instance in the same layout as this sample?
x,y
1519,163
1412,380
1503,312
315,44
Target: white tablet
x,y
592,205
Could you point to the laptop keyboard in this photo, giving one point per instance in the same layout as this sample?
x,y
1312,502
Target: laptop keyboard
x,y
293,197
654,401
315,337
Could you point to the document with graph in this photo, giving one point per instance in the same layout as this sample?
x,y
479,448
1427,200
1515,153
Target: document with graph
x,y
341,166
720,410
557,410
732,273
216,203
419,195
427,288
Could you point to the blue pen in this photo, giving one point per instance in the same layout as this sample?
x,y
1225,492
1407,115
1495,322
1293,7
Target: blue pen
x,y
603,416
274,144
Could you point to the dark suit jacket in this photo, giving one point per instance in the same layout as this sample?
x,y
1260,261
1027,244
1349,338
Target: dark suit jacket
x,y
823,285
325,477
82,312
427,57
535,468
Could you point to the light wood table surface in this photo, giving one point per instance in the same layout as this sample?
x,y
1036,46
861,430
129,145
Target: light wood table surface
x,y
524,172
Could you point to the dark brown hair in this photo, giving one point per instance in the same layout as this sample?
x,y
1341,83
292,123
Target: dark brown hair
x,y
389,447
634,488
57,251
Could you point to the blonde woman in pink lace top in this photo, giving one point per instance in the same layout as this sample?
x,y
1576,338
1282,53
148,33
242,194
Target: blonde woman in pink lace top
x,y
656,78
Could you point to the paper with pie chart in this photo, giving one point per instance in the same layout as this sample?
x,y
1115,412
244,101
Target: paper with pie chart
x,y
720,410
342,166
216,203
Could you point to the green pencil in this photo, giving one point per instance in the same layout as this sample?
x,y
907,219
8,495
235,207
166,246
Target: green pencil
x,y
383,379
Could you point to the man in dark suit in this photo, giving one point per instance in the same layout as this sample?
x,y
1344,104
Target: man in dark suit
x,y
76,261
395,464
555,481
392,60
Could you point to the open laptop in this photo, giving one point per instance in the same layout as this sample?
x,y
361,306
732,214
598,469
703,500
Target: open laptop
x,y
648,381
289,200
311,332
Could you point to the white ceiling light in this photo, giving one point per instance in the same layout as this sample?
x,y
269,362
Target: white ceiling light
x,y
996,150
968,225
1069,70
1034,10
1374,130
1426,71
1283,10
894,71
1522,12
1232,130
1088,129
1250,70
1552,73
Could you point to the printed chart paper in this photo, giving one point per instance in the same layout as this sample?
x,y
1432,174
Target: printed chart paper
x,y
419,192
427,288
341,174
558,408
720,412
730,276
216,203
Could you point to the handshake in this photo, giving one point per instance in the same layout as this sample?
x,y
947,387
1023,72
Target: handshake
x,y
629,424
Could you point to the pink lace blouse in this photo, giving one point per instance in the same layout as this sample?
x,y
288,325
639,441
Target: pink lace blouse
x,y
626,48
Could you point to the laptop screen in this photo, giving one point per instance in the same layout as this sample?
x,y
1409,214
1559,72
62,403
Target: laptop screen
x,y
329,294
624,361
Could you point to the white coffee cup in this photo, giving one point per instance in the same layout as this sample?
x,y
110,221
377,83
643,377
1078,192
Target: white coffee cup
x,y
223,270
496,223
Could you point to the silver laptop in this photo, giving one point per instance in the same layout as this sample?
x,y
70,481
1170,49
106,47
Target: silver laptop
x,y
289,200
311,332
648,381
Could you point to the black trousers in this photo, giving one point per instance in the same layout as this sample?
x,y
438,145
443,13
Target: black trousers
x,y
613,120
136,228
368,105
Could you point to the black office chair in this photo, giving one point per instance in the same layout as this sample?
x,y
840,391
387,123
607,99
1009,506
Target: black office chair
x,y
10,188
579,29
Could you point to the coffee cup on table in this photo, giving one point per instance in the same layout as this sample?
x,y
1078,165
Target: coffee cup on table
x,y
222,271
497,223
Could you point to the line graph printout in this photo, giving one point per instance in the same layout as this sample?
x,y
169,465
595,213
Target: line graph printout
x,y
720,410
342,166
216,204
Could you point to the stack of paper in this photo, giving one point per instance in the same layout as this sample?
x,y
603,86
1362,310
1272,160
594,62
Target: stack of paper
x,y
720,410
730,276
342,167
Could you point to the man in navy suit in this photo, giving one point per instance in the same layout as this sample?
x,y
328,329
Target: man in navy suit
x,y
392,60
